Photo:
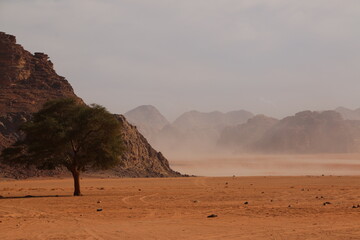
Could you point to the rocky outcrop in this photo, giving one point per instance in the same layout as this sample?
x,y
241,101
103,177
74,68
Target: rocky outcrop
x,y
305,132
27,81
243,137
349,114
309,132
197,133
148,120
193,133
140,159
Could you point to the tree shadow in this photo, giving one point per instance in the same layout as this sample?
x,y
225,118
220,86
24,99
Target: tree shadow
x,y
32,196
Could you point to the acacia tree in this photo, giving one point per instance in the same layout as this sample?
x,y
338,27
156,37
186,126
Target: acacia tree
x,y
66,133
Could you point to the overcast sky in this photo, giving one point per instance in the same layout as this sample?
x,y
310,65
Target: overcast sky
x,y
275,57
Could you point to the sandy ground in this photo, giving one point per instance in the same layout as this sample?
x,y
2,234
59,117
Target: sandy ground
x,y
278,208
269,165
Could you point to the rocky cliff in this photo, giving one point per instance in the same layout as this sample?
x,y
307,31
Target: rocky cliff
x,y
140,159
27,81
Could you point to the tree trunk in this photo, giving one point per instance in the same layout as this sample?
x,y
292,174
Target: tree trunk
x,y
76,176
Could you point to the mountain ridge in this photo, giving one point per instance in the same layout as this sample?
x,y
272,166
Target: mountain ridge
x,y
148,119
349,114
303,133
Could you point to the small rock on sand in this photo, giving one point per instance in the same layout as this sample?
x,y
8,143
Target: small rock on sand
x,y
99,209
212,216
246,203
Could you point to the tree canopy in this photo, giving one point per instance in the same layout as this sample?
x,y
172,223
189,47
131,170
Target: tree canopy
x,y
67,133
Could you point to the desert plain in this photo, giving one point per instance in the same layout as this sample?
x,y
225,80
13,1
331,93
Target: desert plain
x,y
246,207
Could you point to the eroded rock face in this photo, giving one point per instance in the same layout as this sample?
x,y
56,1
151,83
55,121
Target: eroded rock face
x,y
27,81
140,158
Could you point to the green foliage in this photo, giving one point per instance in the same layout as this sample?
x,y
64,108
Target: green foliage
x,y
66,133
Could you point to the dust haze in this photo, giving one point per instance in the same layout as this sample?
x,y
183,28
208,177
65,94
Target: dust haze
x,y
201,62
269,57
243,144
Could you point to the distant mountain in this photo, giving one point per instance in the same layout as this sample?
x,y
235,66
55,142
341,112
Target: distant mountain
x,y
305,132
349,114
147,119
199,120
196,132
242,137
309,132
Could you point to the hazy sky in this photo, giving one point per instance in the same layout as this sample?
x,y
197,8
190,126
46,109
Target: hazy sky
x,y
267,56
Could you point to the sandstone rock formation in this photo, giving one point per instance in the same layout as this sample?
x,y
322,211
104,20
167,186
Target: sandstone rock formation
x,y
305,132
148,120
197,133
349,114
27,81
309,132
243,137
140,159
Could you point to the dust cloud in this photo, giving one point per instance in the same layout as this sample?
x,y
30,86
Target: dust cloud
x,y
243,144
268,165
